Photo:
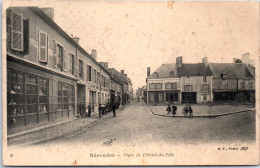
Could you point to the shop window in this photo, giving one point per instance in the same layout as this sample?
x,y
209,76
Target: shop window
x,y
32,94
43,95
43,47
152,97
63,94
15,93
71,97
160,96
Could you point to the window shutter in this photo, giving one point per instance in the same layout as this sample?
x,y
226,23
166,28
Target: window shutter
x,y
43,42
17,32
55,54
87,72
26,38
65,59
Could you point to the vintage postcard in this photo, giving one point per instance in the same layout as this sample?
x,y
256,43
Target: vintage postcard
x,y
99,83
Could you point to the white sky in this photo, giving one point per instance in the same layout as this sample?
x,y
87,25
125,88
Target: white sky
x,y
135,35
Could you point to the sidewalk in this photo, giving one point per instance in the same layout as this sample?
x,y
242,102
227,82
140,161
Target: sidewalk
x,y
204,110
55,130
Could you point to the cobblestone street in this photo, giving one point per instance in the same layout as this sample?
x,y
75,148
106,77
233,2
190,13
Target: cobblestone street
x,y
135,124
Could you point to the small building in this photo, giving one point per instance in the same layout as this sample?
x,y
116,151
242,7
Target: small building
x,y
163,85
196,80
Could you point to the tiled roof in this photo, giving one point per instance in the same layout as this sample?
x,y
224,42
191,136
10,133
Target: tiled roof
x,y
232,70
194,70
163,71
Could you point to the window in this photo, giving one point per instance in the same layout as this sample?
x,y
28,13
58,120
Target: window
x,y
72,64
219,85
171,74
15,93
17,31
160,96
80,69
43,95
152,97
94,77
98,78
152,86
31,93
89,73
169,85
43,47
158,86
204,79
230,85
250,85
204,97
174,85
63,96
188,79
187,88
242,84
60,56
156,74
205,87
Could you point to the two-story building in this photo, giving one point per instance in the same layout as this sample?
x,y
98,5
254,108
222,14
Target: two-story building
x,y
232,82
48,72
196,80
163,85
116,88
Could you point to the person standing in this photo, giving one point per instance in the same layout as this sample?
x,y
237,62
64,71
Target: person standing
x,y
114,109
168,109
190,111
174,109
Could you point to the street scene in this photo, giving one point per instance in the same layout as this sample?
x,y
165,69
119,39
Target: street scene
x,y
108,75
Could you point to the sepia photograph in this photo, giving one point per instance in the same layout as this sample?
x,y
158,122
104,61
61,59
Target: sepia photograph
x,y
127,83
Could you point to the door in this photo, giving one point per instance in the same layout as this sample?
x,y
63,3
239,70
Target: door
x,y
189,97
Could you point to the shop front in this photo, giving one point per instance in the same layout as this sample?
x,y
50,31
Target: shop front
x,y
36,96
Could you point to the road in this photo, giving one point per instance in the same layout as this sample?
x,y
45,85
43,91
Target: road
x,y
135,124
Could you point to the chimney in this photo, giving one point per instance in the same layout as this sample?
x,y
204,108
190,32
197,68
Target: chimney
x,y
205,61
76,39
179,61
49,12
245,58
94,54
148,71
104,64
122,72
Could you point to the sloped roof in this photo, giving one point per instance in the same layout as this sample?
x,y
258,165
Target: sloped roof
x,y
194,70
232,70
163,71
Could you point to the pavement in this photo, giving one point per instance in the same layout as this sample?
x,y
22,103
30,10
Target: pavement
x,y
135,124
203,110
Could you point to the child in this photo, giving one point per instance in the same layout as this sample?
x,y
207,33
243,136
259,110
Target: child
x,y
168,110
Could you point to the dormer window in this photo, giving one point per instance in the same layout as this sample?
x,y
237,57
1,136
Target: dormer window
x,y
156,74
223,75
171,74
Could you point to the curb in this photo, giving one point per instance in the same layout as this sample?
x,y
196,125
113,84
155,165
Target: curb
x,y
201,116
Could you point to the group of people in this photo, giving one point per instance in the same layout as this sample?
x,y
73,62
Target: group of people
x,y
187,110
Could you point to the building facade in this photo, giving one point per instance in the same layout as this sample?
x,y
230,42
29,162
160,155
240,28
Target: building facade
x,y
49,75
163,85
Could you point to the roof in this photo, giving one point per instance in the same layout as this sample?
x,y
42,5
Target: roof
x,y
114,75
163,71
232,70
51,22
198,69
